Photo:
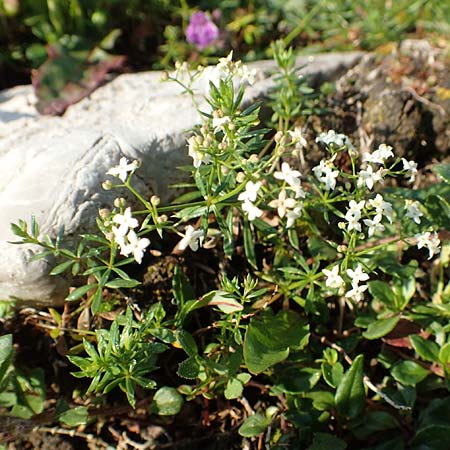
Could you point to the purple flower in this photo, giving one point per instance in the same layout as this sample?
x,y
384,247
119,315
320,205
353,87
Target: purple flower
x,y
201,30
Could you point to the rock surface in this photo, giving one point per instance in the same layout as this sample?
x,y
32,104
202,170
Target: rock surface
x,y
53,167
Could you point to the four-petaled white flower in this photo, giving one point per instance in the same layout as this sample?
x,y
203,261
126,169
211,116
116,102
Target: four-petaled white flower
x,y
121,171
356,292
126,221
191,239
368,177
430,241
297,138
282,203
293,214
411,168
412,211
251,191
382,207
325,174
334,280
357,275
134,245
374,224
252,210
380,155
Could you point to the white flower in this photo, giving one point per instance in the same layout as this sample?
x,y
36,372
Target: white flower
x,y
357,275
121,171
382,207
353,223
380,155
357,292
368,177
326,175
374,224
297,138
283,203
191,239
252,211
125,221
292,178
412,211
411,168
331,137
246,75
430,241
251,191
199,157
293,215
334,280
134,245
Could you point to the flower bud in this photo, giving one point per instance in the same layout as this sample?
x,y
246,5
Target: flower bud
x,y
107,185
155,200
253,159
104,213
164,76
120,202
162,219
240,177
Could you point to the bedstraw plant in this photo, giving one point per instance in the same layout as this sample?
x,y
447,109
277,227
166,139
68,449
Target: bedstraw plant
x,y
338,319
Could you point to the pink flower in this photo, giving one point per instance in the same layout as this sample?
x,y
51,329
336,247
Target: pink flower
x,y
201,31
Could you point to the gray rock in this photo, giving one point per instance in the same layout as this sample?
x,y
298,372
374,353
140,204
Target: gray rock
x,y
53,167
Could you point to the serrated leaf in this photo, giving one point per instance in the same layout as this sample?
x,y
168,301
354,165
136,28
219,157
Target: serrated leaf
x,y
187,343
350,395
188,369
381,327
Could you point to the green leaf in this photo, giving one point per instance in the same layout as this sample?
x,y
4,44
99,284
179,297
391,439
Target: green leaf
x,y
233,389
187,343
167,401
444,354
374,422
443,170
296,380
381,327
426,349
224,301
249,245
6,353
254,425
74,417
409,373
189,369
383,292
79,292
268,339
350,395
325,441
332,373
60,268
121,283
433,437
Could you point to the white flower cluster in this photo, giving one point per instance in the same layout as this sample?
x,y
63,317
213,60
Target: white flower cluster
x,y
335,281
325,174
126,237
197,146
123,168
357,290
332,138
430,241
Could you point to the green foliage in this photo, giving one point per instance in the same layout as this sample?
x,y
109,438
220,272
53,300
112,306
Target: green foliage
x,y
324,308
